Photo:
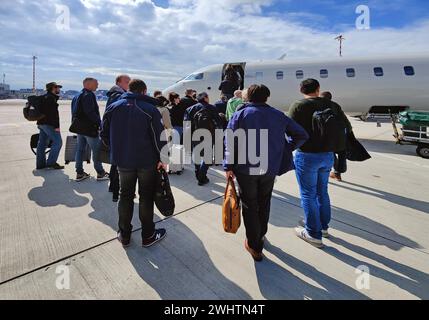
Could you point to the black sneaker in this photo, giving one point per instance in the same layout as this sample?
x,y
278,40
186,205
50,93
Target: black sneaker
x,y
124,241
203,182
115,198
103,176
157,237
82,176
56,167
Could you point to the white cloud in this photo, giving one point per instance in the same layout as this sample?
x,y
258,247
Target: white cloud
x,y
114,36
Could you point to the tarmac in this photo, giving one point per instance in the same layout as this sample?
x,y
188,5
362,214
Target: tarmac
x,y
51,226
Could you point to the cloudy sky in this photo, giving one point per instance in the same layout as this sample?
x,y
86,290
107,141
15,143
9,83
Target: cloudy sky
x,y
161,41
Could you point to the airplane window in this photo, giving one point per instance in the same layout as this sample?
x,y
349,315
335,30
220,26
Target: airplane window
x,y
351,72
280,75
409,71
196,76
300,74
324,73
378,72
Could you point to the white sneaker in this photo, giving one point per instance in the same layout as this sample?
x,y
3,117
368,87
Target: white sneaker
x,y
325,234
303,234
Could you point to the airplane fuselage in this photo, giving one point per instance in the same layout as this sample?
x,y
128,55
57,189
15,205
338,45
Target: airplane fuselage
x,y
358,85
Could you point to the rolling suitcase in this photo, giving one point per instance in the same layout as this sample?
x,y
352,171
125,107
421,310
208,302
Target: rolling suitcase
x,y
71,148
177,154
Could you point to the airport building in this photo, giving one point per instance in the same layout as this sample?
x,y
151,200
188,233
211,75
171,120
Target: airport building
x,y
4,91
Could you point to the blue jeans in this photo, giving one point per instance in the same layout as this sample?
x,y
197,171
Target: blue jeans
x,y
48,133
94,145
312,172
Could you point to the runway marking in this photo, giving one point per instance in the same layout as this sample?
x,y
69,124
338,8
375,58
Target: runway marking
x,y
400,160
9,125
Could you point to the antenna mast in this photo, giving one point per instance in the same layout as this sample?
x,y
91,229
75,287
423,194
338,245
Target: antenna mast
x,y
34,74
340,38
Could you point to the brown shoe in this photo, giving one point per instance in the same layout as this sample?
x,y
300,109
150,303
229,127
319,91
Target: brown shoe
x,y
336,176
257,256
126,242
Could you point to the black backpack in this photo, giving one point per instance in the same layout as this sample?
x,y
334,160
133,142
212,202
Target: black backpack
x,y
329,131
204,119
32,108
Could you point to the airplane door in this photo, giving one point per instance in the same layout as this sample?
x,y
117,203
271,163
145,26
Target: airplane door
x,y
239,68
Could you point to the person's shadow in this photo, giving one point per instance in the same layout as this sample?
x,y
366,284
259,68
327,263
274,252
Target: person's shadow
x,y
394,198
277,283
347,222
409,279
181,268
50,195
385,146
188,184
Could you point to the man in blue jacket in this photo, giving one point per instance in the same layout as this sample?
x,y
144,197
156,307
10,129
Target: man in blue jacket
x,y
205,116
85,107
277,136
134,131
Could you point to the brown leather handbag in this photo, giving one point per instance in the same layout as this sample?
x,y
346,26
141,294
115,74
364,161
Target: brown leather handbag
x,y
231,209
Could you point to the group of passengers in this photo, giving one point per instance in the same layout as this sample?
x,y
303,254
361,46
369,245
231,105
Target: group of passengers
x,y
133,129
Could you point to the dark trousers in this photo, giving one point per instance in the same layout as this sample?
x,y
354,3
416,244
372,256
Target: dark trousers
x,y
114,181
256,192
147,185
201,171
340,164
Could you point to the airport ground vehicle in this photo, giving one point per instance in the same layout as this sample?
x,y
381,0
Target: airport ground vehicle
x,y
413,132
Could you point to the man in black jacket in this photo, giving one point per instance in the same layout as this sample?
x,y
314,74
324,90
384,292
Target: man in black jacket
x,y
114,94
49,128
340,161
188,101
203,105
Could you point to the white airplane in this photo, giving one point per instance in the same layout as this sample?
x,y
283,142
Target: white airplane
x,y
359,85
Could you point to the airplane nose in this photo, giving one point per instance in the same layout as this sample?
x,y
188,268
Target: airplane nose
x,y
174,88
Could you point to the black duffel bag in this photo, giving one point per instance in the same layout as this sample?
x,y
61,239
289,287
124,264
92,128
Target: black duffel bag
x,y
34,141
164,199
